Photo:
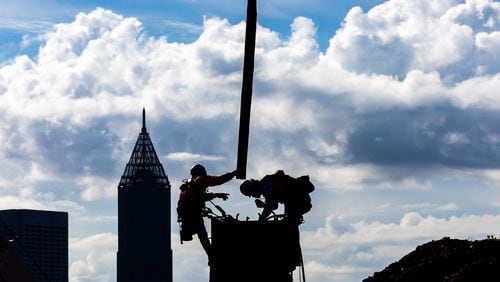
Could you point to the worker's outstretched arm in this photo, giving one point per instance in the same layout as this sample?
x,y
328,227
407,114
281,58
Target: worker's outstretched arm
x,y
218,180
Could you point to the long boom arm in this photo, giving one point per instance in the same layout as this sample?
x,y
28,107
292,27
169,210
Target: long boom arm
x,y
246,89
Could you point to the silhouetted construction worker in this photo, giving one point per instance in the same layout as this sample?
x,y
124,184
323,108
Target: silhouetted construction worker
x,y
191,203
281,188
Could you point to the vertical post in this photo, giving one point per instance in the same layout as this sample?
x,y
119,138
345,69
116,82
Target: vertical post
x,y
246,89
143,120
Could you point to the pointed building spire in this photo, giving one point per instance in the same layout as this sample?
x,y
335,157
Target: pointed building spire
x,y
144,162
144,236
143,120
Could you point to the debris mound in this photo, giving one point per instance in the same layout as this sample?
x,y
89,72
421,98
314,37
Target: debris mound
x,y
450,260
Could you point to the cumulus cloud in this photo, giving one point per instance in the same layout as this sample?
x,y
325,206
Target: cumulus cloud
x,y
30,201
404,96
354,249
97,188
443,135
187,257
102,65
423,35
95,257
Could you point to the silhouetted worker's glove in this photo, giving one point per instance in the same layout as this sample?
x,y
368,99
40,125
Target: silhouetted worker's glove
x,y
211,196
230,175
223,196
259,203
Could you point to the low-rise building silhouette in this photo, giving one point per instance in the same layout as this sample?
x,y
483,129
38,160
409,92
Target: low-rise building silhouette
x,y
40,240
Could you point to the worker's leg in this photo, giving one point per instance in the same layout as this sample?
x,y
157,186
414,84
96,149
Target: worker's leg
x,y
203,236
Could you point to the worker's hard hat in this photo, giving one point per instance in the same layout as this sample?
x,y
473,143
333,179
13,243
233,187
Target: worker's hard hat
x,y
250,188
198,170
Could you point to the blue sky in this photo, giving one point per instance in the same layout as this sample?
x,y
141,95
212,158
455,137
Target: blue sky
x,y
391,107
180,20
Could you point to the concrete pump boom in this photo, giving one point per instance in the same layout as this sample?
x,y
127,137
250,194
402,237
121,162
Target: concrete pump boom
x,y
246,89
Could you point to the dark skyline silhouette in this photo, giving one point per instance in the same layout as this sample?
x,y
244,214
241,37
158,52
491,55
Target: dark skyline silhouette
x,y
144,247
34,245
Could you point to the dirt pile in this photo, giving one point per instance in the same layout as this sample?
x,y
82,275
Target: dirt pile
x,y
446,260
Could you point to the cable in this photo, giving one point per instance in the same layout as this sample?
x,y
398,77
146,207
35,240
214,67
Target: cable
x,y
218,208
302,265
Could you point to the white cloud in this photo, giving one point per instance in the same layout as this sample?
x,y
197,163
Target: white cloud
x,y
488,42
186,156
284,113
98,219
430,207
96,188
95,257
447,207
29,199
187,258
358,249
412,227
30,25
279,60
478,14
39,18
356,177
189,27
456,138
317,271
101,60
425,53
14,202
97,241
137,66
404,35
326,151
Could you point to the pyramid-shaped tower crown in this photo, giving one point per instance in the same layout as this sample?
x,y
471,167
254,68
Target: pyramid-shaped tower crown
x,y
144,164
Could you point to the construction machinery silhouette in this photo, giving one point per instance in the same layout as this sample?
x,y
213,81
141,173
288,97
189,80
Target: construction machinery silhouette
x,y
246,250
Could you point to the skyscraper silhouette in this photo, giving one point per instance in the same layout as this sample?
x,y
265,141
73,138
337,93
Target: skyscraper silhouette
x,y
144,248
40,240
